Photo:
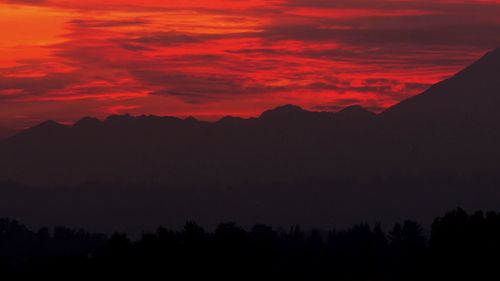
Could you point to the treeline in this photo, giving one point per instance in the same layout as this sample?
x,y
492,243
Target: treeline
x,y
459,246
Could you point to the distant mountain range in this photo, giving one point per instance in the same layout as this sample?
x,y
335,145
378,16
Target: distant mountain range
x,y
452,127
426,155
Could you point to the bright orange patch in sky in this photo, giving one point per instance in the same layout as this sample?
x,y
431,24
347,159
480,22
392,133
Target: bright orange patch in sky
x,y
64,59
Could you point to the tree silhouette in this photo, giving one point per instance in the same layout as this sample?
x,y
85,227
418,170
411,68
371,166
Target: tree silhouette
x,y
460,247
408,246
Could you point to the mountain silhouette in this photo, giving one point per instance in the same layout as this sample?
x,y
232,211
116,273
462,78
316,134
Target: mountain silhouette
x,y
356,111
88,123
471,94
46,129
427,154
284,112
453,126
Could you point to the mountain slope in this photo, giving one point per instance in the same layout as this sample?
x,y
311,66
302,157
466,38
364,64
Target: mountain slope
x,y
473,93
452,126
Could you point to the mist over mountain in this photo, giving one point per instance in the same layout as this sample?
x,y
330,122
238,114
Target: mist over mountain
x,y
430,153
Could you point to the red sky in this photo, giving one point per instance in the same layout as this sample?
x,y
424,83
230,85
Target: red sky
x,y
65,59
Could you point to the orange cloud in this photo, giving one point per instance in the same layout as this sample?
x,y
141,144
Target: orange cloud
x,y
62,59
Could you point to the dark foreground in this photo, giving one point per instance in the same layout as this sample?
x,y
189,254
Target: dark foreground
x,y
459,246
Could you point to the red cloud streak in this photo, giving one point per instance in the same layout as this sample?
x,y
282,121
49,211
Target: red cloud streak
x,y
64,59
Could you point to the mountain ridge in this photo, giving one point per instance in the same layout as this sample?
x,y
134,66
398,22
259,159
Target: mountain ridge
x,y
436,151
485,68
443,129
